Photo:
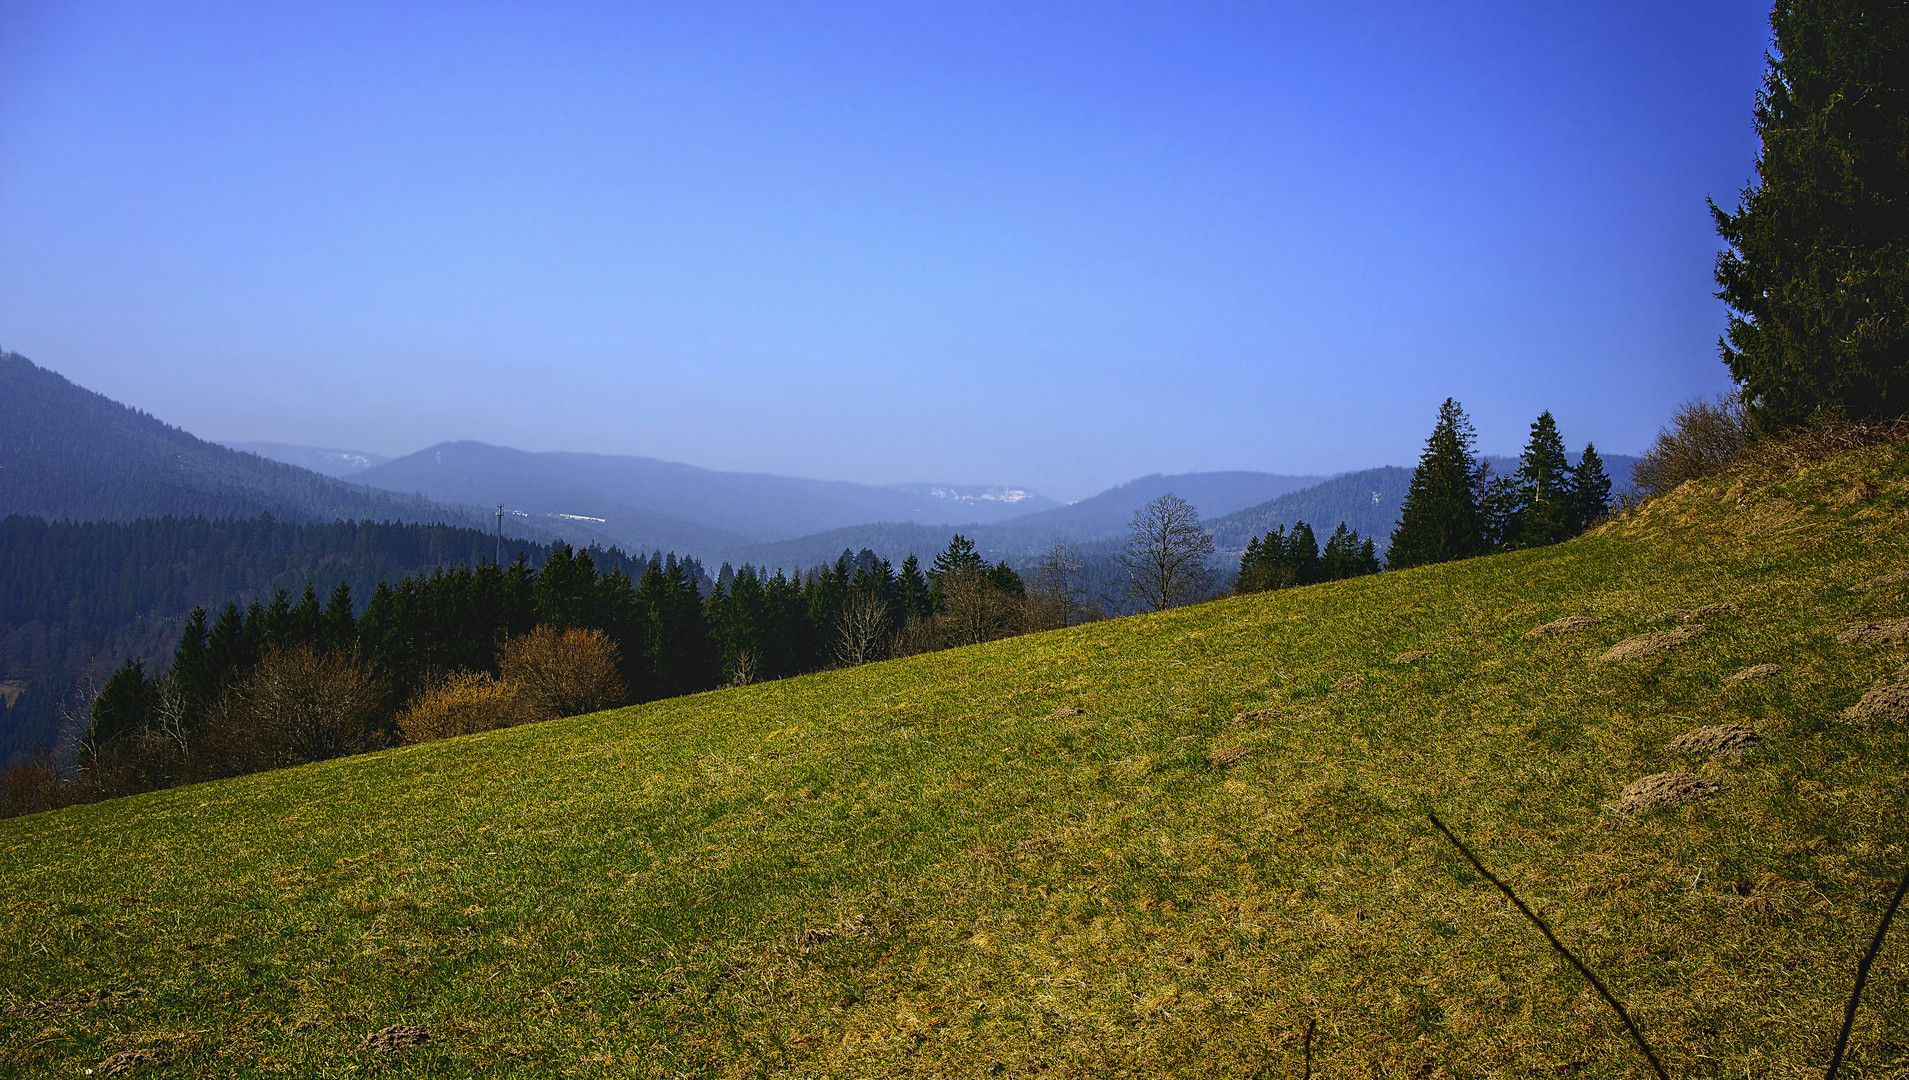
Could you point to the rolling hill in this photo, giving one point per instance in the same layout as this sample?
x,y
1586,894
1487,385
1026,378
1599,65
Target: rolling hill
x,y
1164,845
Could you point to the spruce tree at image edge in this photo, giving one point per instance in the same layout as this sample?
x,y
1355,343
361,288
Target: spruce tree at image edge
x,y
1817,269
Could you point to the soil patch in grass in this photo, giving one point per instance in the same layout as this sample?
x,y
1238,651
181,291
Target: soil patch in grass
x,y
1886,632
1229,755
124,1062
1717,739
1411,656
1665,789
1350,682
1896,577
1882,703
1654,642
394,1038
1755,671
1064,712
1705,612
1253,716
1567,625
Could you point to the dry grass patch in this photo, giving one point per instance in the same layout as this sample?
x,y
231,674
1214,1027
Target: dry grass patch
x,y
1412,656
1885,632
393,1039
1647,644
126,1062
1894,577
1665,789
1229,755
1715,739
1881,703
1705,612
1570,624
1754,671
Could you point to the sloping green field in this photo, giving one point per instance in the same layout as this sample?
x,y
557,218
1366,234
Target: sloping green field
x,y
914,869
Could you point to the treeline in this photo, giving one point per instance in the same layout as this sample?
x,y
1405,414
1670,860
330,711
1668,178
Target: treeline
x,y
470,648
1281,560
1456,508
80,596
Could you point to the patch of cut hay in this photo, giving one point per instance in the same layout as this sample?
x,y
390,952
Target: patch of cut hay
x,y
1654,642
1064,712
1350,682
1755,671
1665,789
1412,656
1689,614
1568,625
1253,716
1230,755
393,1039
1881,703
124,1062
1718,739
1886,632
1896,577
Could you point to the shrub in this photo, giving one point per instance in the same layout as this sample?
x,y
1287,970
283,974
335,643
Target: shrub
x,y
299,704
1704,438
562,673
465,703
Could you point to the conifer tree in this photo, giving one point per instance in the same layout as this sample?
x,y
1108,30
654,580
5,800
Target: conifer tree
x,y
1545,502
1590,491
1817,268
1440,519
123,706
1302,554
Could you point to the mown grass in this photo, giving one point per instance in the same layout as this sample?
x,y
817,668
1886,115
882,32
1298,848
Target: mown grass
x,y
910,869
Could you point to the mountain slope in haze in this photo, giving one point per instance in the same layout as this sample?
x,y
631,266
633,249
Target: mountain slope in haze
x,y
1102,518
1153,847
648,503
69,453
1367,501
326,461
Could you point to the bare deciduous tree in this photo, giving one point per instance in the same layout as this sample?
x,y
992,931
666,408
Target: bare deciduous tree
x,y
864,630
299,705
1056,598
1168,555
562,673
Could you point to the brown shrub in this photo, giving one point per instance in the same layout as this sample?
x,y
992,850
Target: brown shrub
x,y
464,704
299,705
1704,438
562,673
30,787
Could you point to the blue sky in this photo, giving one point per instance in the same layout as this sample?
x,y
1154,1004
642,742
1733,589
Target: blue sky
x,y
1045,244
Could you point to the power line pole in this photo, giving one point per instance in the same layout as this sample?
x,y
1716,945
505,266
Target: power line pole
x,y
500,536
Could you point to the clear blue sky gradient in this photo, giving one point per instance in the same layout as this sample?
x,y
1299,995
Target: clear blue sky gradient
x,y
1043,244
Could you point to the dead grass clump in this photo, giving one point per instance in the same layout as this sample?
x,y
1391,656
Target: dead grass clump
x,y
1718,739
1893,578
1882,703
1350,682
1691,614
1064,712
124,1062
394,1038
1412,656
1755,671
1665,789
1229,755
1655,642
1253,716
1886,632
1567,625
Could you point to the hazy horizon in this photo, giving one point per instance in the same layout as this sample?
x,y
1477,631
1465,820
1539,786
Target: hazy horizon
x,y
1054,247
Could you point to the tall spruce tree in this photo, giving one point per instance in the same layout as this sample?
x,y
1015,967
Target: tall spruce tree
x,y
1546,498
1590,491
1817,269
1440,520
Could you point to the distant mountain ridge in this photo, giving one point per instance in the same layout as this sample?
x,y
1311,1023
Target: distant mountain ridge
x,y
648,503
324,460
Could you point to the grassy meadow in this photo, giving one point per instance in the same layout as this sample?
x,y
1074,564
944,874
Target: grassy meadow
x,y
921,868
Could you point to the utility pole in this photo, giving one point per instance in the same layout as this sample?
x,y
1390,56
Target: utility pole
x,y
500,536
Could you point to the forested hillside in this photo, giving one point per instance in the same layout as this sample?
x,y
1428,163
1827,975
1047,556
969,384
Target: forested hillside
x,y
69,453
75,596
